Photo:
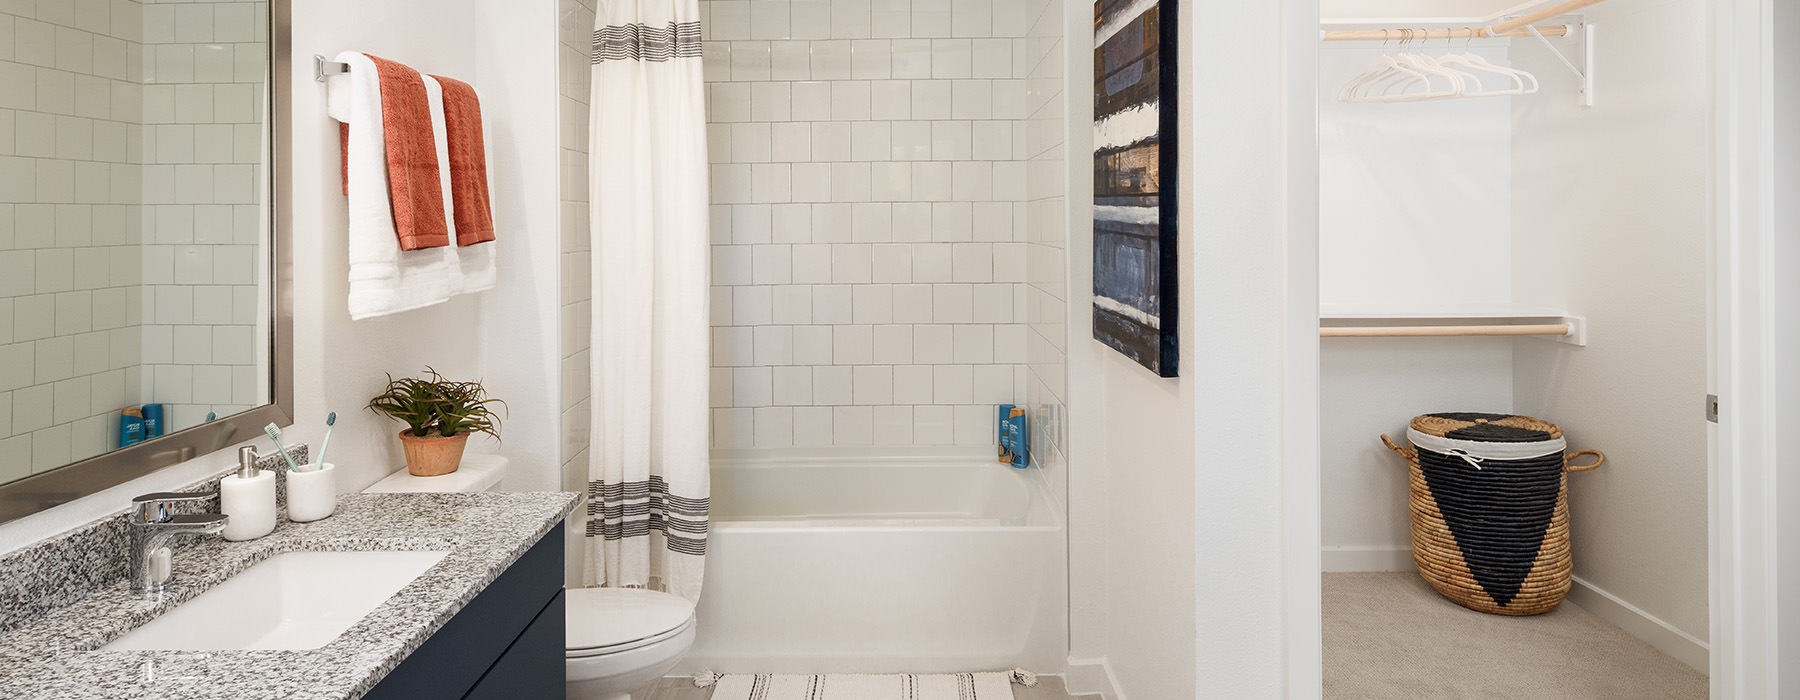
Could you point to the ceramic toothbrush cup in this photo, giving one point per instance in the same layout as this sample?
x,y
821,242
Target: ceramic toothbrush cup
x,y
311,493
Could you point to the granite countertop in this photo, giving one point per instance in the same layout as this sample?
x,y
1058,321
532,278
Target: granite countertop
x,y
53,655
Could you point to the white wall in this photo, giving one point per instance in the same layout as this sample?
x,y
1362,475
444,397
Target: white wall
x,y
1139,445
1787,261
1132,469
1408,8
1203,613
1610,222
506,336
505,51
1253,183
1415,198
1370,387
521,358
1415,211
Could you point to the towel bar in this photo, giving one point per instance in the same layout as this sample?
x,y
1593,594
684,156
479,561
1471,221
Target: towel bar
x,y
323,69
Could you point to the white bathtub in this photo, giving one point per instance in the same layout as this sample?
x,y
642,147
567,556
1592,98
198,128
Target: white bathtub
x,y
880,565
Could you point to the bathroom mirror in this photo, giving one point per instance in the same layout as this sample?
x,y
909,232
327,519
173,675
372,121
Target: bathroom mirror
x,y
144,284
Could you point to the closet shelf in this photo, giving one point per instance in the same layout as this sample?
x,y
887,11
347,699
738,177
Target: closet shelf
x,y
1496,320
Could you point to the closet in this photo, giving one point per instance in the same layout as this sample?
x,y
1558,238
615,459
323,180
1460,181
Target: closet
x,y
1532,241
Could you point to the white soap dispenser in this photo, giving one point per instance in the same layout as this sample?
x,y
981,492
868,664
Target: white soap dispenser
x,y
248,497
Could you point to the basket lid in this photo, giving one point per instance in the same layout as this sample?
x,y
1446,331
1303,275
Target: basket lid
x,y
1486,427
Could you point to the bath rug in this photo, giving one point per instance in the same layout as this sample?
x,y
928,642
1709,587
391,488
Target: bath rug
x,y
846,686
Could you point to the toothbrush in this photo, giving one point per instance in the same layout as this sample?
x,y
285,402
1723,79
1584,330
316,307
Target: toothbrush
x,y
274,433
330,420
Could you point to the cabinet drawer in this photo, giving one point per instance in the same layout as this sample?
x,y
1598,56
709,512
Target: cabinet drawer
x,y
453,661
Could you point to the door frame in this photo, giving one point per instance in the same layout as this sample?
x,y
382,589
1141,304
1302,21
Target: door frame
x,y
1743,639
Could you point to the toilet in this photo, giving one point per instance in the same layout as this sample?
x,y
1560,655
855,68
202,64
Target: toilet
x,y
618,639
622,639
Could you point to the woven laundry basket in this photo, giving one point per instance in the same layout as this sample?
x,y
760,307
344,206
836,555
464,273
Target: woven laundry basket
x,y
1490,509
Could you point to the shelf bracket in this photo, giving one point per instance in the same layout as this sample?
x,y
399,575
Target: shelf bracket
x,y
1577,332
1584,32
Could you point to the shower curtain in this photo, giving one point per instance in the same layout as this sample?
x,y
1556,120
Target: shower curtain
x,y
648,492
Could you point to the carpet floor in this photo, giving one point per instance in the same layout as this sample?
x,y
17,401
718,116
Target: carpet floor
x,y
1391,636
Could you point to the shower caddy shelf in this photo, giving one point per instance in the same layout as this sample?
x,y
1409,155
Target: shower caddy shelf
x,y
1466,321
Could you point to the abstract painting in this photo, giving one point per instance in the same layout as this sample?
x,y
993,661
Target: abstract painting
x,y
1135,292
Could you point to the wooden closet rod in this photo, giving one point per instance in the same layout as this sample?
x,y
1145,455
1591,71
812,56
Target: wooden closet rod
x,y
1558,329
1564,8
1423,34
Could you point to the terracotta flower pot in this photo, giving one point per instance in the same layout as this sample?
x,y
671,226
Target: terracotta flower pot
x,y
432,456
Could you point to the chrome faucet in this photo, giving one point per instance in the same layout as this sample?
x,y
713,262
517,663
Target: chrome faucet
x,y
153,524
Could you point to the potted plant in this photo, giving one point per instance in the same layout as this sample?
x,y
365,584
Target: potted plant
x,y
439,414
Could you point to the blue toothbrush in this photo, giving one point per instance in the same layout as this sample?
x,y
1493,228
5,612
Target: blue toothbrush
x,y
330,420
274,433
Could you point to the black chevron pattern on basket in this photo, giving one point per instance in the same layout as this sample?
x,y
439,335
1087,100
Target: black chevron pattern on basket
x,y
1498,514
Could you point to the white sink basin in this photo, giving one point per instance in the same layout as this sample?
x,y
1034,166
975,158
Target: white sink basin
x,y
299,600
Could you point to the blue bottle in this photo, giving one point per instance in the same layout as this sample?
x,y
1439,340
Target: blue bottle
x,y
153,420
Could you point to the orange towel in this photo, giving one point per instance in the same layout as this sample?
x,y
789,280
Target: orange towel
x,y
415,189
468,163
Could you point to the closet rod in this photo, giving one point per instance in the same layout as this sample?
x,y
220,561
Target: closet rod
x,y
1422,34
1556,10
1558,329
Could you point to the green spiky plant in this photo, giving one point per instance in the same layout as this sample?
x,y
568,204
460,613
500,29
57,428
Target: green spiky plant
x,y
433,406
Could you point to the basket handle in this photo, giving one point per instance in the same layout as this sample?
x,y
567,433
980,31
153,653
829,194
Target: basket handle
x,y
1569,461
1407,452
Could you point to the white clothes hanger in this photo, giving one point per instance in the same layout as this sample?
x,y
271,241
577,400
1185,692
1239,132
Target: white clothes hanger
x,y
1411,79
1522,82
1413,76
1458,80
1383,67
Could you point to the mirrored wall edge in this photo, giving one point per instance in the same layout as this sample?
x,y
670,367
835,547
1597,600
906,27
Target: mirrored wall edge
x,y
40,492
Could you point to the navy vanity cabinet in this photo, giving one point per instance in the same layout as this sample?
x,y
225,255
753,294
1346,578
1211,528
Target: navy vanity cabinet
x,y
507,643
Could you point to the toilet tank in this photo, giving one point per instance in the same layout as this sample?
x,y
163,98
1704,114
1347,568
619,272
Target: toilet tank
x,y
479,472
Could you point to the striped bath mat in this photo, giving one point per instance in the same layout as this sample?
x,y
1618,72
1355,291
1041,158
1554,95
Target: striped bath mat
x,y
942,686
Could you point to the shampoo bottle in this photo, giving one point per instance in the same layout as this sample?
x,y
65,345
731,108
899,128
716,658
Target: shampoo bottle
x,y
248,497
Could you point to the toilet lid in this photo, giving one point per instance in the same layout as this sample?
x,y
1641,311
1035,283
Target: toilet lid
x,y
611,617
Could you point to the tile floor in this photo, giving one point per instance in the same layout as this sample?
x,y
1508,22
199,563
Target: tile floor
x,y
1048,688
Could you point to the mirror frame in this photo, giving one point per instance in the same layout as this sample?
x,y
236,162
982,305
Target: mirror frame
x,y
40,492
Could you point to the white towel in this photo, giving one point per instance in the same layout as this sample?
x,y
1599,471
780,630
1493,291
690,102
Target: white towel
x,y
385,280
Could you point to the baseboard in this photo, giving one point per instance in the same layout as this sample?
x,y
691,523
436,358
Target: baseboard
x,y
1345,560
1636,622
1092,677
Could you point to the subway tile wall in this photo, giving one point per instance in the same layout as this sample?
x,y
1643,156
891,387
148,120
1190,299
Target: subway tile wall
x,y
576,27
1046,368
204,66
122,124
871,180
